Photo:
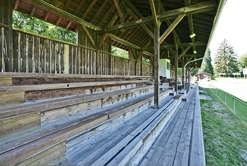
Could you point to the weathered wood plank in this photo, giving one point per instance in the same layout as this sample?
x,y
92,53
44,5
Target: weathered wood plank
x,y
8,98
5,80
17,123
49,156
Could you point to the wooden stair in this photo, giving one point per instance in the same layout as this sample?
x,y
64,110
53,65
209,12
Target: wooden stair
x,y
40,131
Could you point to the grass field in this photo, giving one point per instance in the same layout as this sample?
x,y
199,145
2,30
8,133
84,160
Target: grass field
x,y
224,134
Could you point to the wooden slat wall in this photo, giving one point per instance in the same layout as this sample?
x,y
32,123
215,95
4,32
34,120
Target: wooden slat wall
x,y
37,54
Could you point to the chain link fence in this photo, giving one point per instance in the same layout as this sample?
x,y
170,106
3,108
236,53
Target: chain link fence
x,y
238,106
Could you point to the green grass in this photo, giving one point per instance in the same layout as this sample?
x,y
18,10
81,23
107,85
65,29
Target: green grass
x,y
224,133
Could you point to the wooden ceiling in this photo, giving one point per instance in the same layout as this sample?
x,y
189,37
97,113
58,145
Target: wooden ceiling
x,y
131,22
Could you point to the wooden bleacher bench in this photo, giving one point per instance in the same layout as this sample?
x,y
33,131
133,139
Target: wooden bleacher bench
x,y
46,139
181,142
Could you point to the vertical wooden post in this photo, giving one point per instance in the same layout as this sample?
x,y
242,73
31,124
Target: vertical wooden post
x,y
6,8
183,71
156,65
176,71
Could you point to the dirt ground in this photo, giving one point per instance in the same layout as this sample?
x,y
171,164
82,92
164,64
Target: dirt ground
x,y
234,86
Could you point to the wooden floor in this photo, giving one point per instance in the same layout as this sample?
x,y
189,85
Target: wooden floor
x,y
181,142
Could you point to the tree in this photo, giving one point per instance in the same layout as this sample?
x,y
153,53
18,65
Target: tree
x,y
226,59
31,24
242,60
207,63
194,71
119,52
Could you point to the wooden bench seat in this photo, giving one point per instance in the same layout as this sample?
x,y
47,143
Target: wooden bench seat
x,y
181,142
11,78
20,150
46,91
117,147
48,111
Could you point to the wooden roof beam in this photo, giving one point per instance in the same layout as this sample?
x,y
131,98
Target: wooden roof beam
x,y
113,20
119,10
100,10
89,9
16,4
62,13
179,45
58,21
89,36
131,9
79,7
193,9
184,52
68,25
128,43
67,4
170,28
142,25
107,13
154,13
47,16
33,11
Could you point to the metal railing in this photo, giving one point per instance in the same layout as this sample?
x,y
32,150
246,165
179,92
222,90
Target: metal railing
x,y
238,106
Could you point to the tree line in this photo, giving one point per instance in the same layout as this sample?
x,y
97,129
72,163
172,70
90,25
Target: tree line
x,y
226,61
31,24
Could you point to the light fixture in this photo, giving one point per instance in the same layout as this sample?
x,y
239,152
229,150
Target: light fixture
x,y
192,35
194,51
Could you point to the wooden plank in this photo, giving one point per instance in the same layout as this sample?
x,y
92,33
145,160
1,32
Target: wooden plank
x,y
100,149
5,80
18,123
197,144
8,98
50,156
41,144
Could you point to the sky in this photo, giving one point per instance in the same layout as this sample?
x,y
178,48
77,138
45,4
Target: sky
x,y
231,26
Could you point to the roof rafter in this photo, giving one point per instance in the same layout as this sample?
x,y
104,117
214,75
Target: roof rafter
x,y
100,10
179,45
193,9
170,28
89,8
79,7
142,25
154,13
119,10
184,52
63,13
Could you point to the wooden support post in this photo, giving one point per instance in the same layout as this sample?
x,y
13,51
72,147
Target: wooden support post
x,y
156,65
176,71
6,8
183,71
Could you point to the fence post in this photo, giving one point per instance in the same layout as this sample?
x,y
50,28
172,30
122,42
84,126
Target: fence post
x,y
234,105
225,98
